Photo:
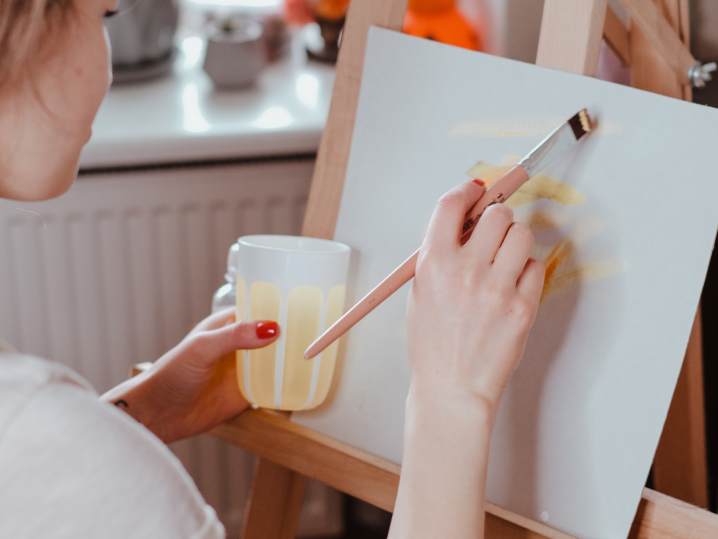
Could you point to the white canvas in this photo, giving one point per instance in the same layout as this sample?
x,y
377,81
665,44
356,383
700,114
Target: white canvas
x,y
581,418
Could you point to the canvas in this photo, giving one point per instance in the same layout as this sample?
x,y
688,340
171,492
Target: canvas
x,y
625,223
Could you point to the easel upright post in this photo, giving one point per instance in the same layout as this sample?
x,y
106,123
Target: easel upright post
x,y
570,38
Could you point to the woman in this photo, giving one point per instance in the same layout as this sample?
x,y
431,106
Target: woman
x,y
73,466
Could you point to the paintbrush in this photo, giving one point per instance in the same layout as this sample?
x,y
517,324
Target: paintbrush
x,y
557,142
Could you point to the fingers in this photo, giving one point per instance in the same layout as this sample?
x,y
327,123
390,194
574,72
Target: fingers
x,y
490,233
448,217
514,253
531,281
216,320
242,335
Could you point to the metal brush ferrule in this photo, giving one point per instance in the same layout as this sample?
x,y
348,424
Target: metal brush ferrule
x,y
550,148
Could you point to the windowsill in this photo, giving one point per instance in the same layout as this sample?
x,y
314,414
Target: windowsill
x,y
180,117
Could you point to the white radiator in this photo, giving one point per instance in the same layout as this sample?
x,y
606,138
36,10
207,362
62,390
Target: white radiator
x,y
120,268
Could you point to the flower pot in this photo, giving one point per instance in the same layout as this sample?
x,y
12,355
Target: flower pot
x,y
235,52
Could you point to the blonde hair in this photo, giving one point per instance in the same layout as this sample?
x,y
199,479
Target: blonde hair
x,y
25,26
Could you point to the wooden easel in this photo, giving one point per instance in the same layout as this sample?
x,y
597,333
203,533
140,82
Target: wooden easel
x,y
571,33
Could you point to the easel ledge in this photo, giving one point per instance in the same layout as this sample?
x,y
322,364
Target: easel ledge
x,y
376,481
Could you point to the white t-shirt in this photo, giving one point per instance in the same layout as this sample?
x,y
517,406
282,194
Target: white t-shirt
x,y
75,467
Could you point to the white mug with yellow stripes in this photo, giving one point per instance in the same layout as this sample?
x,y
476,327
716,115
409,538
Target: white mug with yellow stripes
x,y
300,283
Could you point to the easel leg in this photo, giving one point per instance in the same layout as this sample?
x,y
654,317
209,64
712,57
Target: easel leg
x,y
275,502
648,70
680,461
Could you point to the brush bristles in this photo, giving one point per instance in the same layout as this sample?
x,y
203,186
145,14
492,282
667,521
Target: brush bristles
x,y
585,121
580,124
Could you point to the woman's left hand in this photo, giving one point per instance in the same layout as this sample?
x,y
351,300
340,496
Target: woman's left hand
x,y
193,387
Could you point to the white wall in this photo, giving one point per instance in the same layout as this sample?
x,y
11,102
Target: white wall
x,y
512,26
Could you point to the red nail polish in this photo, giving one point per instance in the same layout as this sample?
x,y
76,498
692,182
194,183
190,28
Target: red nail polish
x,y
478,181
267,329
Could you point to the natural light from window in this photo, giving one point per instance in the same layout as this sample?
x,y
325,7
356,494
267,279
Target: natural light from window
x,y
308,90
193,121
274,118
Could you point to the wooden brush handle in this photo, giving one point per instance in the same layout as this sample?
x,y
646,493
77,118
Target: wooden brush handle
x,y
398,278
496,193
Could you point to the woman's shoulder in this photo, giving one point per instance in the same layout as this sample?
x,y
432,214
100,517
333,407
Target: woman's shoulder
x,y
23,376
16,368
85,465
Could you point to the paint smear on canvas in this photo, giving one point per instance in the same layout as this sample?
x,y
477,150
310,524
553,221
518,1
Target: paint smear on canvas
x,y
564,270
539,186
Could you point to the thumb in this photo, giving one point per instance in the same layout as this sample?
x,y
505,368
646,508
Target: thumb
x,y
242,335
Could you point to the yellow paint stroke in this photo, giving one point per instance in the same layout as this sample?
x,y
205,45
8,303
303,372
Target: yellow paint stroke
x,y
510,160
539,186
487,172
562,275
562,269
521,127
541,221
542,186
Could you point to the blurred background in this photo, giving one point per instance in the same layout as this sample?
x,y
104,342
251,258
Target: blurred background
x,y
210,132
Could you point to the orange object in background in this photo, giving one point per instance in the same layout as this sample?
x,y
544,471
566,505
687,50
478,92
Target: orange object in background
x,y
298,12
441,21
305,11
331,9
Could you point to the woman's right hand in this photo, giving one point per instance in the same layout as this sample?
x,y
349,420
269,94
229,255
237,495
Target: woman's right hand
x,y
471,307
469,313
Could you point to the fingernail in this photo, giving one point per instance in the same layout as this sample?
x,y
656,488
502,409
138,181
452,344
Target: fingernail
x,y
267,329
478,181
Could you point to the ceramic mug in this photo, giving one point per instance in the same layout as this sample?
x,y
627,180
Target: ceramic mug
x,y
235,52
300,283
